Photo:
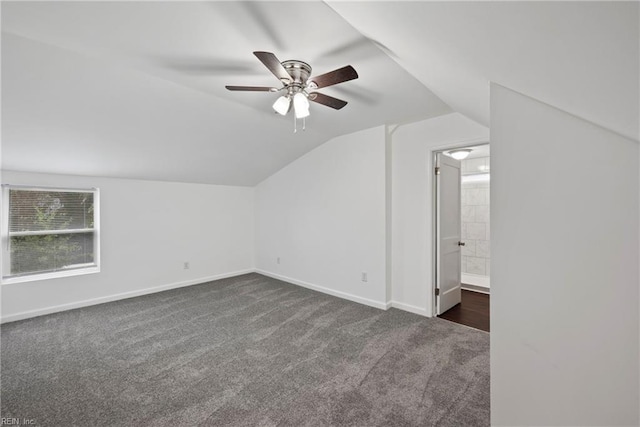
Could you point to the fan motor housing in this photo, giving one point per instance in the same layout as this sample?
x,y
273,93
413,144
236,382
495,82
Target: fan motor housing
x,y
298,70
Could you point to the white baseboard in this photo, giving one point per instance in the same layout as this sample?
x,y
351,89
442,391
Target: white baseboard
x,y
125,295
476,280
410,308
474,288
339,294
116,297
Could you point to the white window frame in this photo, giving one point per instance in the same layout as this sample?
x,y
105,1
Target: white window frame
x,y
77,271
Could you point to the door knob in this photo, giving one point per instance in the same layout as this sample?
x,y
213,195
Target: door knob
x,y
460,243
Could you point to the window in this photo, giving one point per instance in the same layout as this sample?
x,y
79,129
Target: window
x,y
49,232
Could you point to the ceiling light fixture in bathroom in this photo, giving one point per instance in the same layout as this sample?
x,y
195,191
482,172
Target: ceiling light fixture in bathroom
x,y
459,154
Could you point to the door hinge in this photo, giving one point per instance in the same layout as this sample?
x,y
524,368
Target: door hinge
x,y
437,170
437,291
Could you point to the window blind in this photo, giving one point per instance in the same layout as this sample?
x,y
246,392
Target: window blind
x,y
50,230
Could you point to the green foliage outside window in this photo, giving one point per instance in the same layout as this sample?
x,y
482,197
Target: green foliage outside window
x,y
48,212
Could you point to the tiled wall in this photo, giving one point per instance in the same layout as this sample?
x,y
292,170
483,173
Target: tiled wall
x,y
475,216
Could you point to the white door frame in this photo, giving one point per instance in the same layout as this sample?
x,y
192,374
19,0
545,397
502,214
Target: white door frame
x,y
434,244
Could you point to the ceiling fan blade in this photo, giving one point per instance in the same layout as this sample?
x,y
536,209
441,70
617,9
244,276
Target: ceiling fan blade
x,y
252,88
327,100
334,77
274,65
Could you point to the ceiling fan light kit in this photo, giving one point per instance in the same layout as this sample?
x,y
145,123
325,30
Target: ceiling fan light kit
x,y
295,78
301,105
282,105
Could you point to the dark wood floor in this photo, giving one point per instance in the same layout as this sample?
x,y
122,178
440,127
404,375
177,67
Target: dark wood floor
x,y
473,311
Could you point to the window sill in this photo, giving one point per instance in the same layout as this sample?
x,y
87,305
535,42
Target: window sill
x,y
50,275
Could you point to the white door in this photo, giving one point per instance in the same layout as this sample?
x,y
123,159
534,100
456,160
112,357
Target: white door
x,y
448,233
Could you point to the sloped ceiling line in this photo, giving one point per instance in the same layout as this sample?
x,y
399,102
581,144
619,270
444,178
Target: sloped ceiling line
x,y
133,117
114,80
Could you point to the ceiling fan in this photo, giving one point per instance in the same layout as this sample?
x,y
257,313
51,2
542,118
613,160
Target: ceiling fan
x,y
299,88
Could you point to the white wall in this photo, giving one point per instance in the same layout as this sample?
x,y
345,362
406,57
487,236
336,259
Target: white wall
x,y
148,230
412,197
564,286
324,217
476,225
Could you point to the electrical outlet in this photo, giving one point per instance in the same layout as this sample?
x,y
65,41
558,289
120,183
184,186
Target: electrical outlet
x,y
278,260
186,265
364,276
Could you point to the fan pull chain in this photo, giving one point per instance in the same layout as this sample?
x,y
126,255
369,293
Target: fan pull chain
x,y
295,124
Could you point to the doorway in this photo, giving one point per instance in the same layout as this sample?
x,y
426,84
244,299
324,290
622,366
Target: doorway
x,y
462,230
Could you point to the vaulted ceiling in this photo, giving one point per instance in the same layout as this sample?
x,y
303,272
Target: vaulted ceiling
x,y
136,89
580,56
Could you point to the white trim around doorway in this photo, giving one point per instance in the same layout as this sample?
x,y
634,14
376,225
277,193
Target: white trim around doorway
x,y
431,167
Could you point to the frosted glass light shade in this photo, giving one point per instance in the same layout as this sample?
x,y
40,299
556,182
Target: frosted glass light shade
x,y
459,154
301,105
282,105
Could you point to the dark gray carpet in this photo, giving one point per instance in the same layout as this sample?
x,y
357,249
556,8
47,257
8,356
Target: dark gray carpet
x,y
249,350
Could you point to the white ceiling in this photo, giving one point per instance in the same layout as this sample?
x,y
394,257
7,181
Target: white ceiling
x,y
136,89
582,57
